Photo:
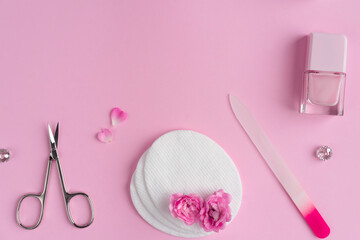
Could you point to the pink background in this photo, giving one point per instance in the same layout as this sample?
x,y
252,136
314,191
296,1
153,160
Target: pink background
x,y
170,65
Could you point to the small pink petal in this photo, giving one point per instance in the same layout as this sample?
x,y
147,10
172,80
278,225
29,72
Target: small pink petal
x,y
117,116
105,135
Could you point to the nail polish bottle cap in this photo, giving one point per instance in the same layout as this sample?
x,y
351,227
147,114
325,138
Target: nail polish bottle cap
x,y
327,52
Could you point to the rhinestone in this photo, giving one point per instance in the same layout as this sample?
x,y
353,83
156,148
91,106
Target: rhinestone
x,y
4,155
324,153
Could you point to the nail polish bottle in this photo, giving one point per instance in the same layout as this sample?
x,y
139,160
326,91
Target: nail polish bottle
x,y
325,74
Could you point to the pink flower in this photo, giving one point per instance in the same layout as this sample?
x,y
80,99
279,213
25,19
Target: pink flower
x,y
216,211
186,207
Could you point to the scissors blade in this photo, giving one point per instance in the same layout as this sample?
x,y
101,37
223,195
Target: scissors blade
x,y
56,136
53,150
51,136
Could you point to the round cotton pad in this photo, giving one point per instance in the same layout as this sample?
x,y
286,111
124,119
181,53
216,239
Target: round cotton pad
x,y
145,213
187,162
139,183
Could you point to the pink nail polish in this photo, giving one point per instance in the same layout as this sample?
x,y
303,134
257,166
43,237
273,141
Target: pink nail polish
x,y
325,74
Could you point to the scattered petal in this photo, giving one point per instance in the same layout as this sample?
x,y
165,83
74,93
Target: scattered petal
x,y
105,135
117,116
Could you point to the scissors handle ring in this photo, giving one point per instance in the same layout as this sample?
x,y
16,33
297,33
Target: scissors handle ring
x,y
68,197
40,197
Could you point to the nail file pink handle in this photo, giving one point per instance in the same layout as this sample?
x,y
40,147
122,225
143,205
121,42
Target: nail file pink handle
x,y
280,169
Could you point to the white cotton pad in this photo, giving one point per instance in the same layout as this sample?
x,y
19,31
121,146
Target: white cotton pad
x,y
187,162
143,211
146,201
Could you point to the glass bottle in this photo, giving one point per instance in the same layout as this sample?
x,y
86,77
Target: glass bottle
x,y
325,74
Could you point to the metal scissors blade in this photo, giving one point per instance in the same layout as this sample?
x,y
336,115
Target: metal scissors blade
x,y
53,142
54,138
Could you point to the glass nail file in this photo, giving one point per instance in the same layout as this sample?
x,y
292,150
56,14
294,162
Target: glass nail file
x,y
280,169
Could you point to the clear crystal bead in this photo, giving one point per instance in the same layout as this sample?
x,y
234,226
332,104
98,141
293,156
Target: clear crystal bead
x,y
4,155
324,153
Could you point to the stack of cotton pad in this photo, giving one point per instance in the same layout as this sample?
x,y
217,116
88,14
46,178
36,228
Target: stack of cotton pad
x,y
184,162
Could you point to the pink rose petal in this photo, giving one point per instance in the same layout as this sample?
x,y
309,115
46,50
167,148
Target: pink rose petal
x,y
117,116
105,135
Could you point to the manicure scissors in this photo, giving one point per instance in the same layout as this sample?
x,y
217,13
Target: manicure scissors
x,y
42,196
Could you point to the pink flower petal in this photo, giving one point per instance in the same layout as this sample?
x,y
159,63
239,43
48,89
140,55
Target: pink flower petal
x,y
117,116
105,135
